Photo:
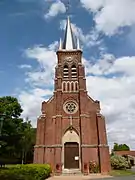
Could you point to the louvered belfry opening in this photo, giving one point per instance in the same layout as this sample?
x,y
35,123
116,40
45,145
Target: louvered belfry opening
x,y
65,72
73,71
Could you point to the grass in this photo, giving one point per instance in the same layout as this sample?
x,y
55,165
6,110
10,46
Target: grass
x,y
122,173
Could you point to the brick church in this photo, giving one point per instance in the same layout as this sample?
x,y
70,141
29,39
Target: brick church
x,y
71,131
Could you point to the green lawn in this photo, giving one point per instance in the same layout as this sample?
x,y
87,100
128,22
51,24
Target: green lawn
x,y
122,173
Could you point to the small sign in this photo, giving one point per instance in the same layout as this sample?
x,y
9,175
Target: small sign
x,y
76,158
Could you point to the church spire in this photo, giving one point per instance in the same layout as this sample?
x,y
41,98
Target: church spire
x,y
69,42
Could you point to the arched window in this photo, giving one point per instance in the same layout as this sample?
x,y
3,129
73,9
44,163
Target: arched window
x,y
64,86
73,71
68,86
65,72
72,86
76,86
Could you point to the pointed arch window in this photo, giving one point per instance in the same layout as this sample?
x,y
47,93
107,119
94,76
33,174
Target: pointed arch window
x,y
73,71
65,72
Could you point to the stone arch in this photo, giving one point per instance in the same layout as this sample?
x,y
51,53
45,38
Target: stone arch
x,y
70,137
69,129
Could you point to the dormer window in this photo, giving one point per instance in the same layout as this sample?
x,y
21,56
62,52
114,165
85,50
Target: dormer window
x,y
65,72
73,71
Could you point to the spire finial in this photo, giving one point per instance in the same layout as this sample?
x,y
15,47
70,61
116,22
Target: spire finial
x,y
68,5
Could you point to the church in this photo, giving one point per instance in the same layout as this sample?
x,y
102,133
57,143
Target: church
x,y
71,131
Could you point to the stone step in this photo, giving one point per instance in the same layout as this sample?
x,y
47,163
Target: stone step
x,y
71,172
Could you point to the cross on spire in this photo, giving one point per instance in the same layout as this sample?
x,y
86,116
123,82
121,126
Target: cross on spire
x,y
68,5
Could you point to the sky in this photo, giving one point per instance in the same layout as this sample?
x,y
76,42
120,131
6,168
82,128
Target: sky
x,y
29,36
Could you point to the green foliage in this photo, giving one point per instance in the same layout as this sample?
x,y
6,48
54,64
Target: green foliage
x,y
10,106
17,136
119,162
93,167
26,172
121,147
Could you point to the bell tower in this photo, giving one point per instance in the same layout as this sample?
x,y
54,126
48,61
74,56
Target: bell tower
x,y
71,131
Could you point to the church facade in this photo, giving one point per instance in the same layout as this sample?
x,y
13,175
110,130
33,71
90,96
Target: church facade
x,y
71,131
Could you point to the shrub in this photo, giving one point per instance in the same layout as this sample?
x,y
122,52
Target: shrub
x,y
26,172
119,162
93,167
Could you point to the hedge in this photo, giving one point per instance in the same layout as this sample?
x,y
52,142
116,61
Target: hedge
x,y
26,172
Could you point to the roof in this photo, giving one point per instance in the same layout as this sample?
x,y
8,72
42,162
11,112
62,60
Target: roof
x,y
70,41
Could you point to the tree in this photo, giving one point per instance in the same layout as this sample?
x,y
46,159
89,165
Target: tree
x,y
28,140
17,136
121,147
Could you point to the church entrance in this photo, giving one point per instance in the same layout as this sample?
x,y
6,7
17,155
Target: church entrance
x,y
71,155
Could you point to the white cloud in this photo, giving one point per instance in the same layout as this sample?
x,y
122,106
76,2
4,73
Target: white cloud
x,y
40,80
111,15
25,66
117,96
31,102
92,5
46,59
55,9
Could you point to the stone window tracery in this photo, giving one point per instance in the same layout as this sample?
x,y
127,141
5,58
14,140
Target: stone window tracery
x,y
70,107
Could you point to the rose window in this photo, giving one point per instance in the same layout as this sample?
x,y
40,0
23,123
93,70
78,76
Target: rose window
x,y
70,107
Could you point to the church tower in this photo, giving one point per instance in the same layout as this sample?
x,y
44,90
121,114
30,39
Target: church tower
x,y
71,131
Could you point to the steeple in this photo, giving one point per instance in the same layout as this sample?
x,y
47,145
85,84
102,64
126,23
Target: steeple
x,y
70,41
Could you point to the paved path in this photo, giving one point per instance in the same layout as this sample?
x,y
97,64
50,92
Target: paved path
x,y
97,177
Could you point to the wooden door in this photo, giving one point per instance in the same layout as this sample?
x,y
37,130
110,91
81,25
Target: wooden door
x,y
71,155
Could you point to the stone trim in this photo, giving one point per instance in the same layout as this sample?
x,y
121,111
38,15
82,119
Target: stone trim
x,y
59,90
89,146
54,117
103,145
93,145
67,117
48,146
58,77
60,146
85,115
42,116
65,92
58,115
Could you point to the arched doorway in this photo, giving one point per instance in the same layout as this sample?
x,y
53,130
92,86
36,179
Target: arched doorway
x,y
71,155
71,158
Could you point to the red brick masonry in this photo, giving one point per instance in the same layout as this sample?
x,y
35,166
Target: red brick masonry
x,y
88,122
131,153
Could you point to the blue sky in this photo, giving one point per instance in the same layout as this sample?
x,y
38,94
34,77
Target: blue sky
x,y
29,35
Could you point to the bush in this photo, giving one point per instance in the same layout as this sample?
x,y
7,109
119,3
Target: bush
x,y
26,172
93,167
119,162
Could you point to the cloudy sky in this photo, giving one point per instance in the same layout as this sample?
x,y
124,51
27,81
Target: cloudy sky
x,y
29,35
